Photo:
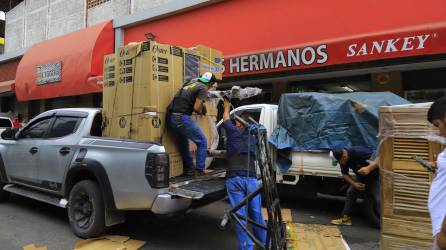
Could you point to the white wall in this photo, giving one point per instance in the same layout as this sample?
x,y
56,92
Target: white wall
x,y
66,16
141,5
15,28
33,21
36,21
108,10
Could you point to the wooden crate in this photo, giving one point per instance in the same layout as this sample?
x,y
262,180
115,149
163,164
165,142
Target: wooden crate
x,y
405,183
390,242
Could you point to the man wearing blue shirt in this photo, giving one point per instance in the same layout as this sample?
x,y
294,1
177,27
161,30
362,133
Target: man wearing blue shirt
x,y
241,177
357,159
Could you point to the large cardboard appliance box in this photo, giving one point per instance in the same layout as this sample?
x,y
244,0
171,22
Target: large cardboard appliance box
x,y
404,132
147,76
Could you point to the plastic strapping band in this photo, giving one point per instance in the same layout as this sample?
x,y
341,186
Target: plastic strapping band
x,y
388,172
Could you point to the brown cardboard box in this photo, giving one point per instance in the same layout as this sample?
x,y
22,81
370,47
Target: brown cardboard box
x,y
314,237
210,60
150,74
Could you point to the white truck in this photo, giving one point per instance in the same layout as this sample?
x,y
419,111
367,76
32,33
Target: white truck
x,y
313,174
315,163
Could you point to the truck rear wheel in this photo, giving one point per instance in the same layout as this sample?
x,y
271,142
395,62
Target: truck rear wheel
x,y
86,210
4,196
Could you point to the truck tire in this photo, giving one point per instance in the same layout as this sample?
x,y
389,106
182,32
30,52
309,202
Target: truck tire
x,y
86,211
372,212
4,196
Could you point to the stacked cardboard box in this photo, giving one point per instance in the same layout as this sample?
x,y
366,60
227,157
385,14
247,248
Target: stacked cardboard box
x,y
404,132
141,79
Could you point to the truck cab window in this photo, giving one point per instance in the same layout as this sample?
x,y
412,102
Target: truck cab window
x,y
36,130
253,113
64,126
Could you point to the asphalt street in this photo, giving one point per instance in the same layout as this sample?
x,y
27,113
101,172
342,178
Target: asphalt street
x,y
24,221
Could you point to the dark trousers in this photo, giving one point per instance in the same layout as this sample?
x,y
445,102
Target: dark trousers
x,y
185,129
371,192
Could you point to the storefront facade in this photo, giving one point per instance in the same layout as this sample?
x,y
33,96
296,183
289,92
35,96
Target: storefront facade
x,y
285,45
280,46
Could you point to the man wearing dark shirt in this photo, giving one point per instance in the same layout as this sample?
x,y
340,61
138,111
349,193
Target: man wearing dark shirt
x,y
241,177
190,99
357,159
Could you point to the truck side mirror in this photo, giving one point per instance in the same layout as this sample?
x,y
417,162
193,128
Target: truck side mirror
x,y
9,134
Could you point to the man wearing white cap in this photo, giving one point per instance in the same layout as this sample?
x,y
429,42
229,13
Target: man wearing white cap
x,y
189,99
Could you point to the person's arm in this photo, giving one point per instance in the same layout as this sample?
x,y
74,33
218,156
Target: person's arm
x,y
365,154
367,169
357,185
198,105
441,236
199,101
226,112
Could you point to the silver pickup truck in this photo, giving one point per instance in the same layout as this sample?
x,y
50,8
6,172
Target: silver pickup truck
x,y
60,158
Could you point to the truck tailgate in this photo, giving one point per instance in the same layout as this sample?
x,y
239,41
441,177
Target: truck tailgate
x,y
200,188
210,185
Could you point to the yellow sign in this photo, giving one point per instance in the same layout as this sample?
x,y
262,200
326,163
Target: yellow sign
x,y
2,41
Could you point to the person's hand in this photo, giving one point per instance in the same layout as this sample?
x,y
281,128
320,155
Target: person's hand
x,y
226,104
364,170
359,186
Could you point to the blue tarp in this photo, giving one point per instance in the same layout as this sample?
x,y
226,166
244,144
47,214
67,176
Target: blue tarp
x,y
312,121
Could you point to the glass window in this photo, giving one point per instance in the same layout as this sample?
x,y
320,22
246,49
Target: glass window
x,y
5,123
37,129
64,126
253,113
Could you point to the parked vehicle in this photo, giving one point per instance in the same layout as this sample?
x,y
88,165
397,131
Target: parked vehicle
x,y
315,163
312,173
60,158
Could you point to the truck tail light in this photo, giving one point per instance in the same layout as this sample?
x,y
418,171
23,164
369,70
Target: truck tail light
x,y
157,170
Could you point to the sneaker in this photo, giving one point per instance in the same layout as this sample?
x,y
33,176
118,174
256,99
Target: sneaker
x,y
344,220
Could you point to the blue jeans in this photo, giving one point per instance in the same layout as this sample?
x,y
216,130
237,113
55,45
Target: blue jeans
x,y
185,129
238,188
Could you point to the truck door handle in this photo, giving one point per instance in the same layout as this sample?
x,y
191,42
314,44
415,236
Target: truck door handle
x,y
33,150
64,151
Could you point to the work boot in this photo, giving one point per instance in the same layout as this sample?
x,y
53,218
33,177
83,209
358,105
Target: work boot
x,y
345,220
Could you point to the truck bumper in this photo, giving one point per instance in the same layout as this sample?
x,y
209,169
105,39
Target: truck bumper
x,y
168,204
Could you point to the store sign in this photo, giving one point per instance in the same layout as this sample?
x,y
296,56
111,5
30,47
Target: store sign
x,y
342,51
278,59
49,73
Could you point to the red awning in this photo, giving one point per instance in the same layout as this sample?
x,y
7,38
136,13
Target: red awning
x,y
7,86
66,65
260,34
